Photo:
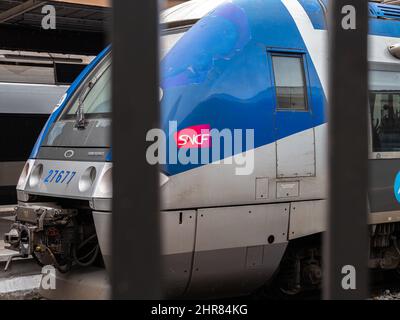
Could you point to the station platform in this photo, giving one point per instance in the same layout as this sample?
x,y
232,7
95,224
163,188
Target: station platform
x,y
81,284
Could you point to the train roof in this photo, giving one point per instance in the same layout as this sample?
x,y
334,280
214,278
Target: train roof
x,y
384,18
189,11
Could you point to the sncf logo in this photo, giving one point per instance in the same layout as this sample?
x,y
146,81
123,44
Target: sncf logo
x,y
201,145
194,137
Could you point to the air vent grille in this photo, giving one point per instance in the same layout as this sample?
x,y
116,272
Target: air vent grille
x,y
385,11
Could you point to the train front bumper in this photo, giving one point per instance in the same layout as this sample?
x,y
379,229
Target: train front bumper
x,y
79,180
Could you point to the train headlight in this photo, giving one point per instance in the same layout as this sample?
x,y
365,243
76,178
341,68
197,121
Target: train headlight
x,y
87,178
102,194
36,175
105,184
23,178
104,187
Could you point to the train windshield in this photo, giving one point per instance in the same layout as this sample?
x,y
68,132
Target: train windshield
x,y
384,100
91,103
93,99
96,103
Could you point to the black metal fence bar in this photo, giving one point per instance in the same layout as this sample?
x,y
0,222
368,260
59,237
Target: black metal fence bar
x,y
135,232
346,254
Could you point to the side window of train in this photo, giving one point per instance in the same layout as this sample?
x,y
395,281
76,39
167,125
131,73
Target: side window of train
x,y
290,82
384,102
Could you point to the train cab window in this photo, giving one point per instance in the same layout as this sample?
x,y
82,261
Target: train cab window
x,y
290,82
96,99
384,100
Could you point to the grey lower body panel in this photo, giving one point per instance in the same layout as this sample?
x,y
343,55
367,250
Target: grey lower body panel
x,y
235,271
219,273
202,269
176,272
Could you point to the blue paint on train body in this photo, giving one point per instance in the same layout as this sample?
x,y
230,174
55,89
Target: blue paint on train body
x,y
316,12
219,73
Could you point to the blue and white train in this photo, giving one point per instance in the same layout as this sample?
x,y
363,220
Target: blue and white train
x,y
229,224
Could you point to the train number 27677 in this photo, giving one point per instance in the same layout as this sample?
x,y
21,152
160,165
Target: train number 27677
x,y
59,176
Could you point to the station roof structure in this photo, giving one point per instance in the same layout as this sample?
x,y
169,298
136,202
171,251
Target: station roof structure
x,y
81,25
390,1
78,15
72,15
85,15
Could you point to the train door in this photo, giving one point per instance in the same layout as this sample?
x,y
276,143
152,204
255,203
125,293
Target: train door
x,y
384,159
295,141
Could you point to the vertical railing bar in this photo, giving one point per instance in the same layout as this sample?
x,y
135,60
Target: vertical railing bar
x,y
135,270
346,254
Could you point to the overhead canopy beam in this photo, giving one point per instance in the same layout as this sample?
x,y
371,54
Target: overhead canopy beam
x,y
106,3
95,3
392,2
20,9
30,5
57,41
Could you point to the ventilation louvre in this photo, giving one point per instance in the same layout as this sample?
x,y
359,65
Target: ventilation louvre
x,y
385,11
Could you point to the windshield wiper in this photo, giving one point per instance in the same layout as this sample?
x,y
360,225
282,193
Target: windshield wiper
x,y
81,122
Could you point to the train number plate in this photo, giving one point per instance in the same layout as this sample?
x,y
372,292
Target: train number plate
x,y
59,176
